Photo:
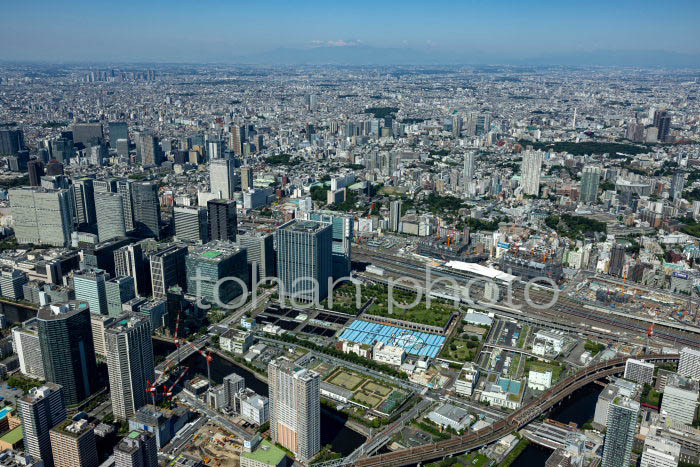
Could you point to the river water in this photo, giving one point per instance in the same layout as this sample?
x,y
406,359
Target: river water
x,y
333,431
579,408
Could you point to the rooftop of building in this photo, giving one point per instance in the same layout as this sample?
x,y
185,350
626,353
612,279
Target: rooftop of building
x,y
297,225
13,436
56,311
214,251
38,393
73,428
266,453
451,412
681,382
126,321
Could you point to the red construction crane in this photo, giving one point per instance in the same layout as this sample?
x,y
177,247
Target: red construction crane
x,y
152,389
207,356
168,392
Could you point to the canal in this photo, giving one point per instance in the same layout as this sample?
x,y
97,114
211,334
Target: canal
x,y
578,408
333,430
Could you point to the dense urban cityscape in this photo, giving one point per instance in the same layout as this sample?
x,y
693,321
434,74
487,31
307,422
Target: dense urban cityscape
x,y
349,264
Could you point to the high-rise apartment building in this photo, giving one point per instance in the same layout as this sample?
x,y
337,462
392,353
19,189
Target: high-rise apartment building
x,y
99,323
223,220
590,182
137,449
41,216
191,224
304,259
222,178
530,173
89,286
689,363
28,349
208,264
677,184
146,209
168,268
469,166
40,410
622,425
129,363
295,407
73,444
67,349
109,208
395,216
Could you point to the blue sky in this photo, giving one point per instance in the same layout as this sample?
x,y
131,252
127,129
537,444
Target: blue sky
x,y
223,30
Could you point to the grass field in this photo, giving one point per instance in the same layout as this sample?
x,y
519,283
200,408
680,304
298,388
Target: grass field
x,y
376,388
346,380
366,399
322,368
534,365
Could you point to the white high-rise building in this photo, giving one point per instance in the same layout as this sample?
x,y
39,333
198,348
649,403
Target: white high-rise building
x,y
109,208
660,452
40,410
395,216
130,363
689,364
680,398
468,167
41,216
295,408
639,371
26,341
530,173
222,179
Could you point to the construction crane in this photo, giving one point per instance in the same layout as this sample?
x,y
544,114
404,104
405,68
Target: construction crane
x,y
152,389
168,392
207,356
175,339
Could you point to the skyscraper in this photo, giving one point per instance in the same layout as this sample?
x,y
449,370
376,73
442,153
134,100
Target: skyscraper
x,y
680,398
246,178
89,287
124,189
395,216
73,444
531,167
260,250
236,139
213,262
304,259
129,363
677,184
456,126
117,131
11,142
130,260
689,363
167,269
617,260
146,209
191,224
35,168
137,449
84,196
622,425
67,349
469,166
85,132
223,220
589,184
119,290
41,216
40,410
148,151
295,407
662,121
342,241
109,208
28,349
222,178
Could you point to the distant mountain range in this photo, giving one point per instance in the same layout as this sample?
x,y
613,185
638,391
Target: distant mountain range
x,y
368,55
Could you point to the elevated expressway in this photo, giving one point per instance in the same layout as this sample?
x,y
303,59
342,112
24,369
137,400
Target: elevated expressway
x,y
513,422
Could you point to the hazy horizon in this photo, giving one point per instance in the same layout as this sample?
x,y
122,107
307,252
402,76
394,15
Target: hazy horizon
x,y
313,32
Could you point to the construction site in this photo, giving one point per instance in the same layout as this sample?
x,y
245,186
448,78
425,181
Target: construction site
x,y
215,446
